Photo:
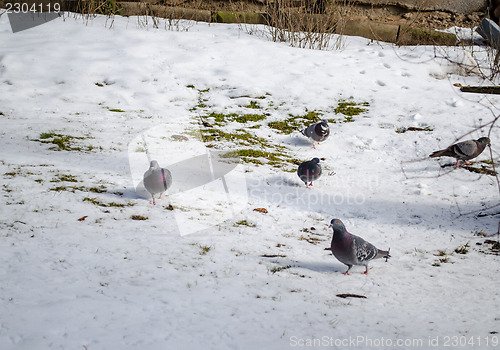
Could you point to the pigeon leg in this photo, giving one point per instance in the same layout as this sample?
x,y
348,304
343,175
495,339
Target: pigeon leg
x,y
347,272
311,183
367,269
314,146
467,163
154,203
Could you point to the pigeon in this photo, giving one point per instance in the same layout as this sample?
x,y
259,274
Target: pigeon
x,y
318,132
353,250
156,179
309,171
464,150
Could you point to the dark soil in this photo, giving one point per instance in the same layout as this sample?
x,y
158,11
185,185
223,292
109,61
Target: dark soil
x,y
386,14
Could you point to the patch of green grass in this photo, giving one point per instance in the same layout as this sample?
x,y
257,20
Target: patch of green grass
x,y
351,108
284,126
402,130
58,188
250,118
116,110
446,259
294,123
259,157
100,189
95,201
190,86
63,142
253,105
482,170
275,269
243,223
204,249
310,239
222,119
139,217
67,188
240,137
74,188
253,153
64,178
464,249
11,173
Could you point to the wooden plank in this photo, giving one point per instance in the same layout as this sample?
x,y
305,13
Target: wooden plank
x,y
494,90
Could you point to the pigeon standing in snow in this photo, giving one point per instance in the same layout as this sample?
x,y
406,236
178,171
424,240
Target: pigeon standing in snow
x,y
353,250
309,171
318,132
464,150
156,179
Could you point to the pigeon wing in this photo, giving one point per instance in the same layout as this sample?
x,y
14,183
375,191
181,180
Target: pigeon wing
x,y
465,149
364,251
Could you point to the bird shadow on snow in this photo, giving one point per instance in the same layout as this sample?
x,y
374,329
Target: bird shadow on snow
x,y
297,140
283,181
332,267
320,267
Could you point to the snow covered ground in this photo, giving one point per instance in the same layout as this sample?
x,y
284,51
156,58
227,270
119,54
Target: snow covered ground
x,y
78,272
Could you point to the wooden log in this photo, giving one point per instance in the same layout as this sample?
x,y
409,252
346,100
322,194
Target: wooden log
x,y
419,36
141,9
493,90
239,17
369,30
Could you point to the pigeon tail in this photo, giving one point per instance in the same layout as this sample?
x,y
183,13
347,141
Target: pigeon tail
x,y
383,254
442,153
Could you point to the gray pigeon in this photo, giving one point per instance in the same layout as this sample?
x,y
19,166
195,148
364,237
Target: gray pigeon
x,y
464,150
156,179
309,171
318,132
353,250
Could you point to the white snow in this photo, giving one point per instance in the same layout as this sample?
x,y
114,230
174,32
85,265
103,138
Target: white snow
x,y
109,282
